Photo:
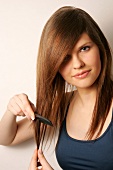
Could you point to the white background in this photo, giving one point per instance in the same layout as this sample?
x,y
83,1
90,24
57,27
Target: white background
x,y
21,23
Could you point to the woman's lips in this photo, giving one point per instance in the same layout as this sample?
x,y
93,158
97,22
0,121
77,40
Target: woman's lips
x,y
82,74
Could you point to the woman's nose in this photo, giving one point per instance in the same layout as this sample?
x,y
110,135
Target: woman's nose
x,y
77,62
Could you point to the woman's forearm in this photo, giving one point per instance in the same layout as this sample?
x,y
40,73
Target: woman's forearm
x,y
8,128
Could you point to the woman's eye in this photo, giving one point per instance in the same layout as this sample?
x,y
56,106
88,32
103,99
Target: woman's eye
x,y
67,58
86,48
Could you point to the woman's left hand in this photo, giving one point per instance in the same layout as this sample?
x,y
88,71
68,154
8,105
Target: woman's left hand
x,y
44,164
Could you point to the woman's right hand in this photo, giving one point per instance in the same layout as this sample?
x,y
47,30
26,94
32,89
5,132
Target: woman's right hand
x,y
43,164
12,131
20,105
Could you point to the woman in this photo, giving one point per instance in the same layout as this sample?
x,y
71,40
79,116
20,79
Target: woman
x,y
74,91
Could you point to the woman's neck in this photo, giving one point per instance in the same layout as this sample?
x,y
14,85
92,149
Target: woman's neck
x,y
86,97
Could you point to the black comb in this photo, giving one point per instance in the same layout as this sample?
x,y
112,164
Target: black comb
x,y
43,119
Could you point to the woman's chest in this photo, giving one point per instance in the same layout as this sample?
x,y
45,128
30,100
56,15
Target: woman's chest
x,y
77,154
78,123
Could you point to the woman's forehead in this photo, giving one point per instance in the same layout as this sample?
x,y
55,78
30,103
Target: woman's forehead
x,y
82,41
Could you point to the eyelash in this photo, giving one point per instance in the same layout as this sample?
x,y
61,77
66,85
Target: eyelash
x,y
67,58
85,48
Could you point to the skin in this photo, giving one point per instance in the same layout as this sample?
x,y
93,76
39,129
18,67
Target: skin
x,y
33,164
17,131
81,68
84,56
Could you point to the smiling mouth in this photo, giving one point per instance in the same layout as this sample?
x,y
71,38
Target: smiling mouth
x,y
82,75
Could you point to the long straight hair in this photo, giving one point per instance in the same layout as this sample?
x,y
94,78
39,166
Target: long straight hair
x,y
59,36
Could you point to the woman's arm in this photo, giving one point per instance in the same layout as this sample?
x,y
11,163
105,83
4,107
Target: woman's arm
x,y
12,131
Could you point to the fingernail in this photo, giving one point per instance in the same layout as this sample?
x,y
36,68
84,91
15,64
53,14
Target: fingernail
x,y
32,117
40,151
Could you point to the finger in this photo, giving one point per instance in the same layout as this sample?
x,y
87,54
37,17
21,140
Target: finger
x,y
27,109
33,163
13,108
15,103
43,161
33,106
21,107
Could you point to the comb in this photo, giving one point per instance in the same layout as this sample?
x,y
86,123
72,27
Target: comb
x,y
43,119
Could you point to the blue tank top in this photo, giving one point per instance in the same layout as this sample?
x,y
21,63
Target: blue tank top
x,y
73,154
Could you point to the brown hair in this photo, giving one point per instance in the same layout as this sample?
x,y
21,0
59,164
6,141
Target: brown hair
x,y
59,36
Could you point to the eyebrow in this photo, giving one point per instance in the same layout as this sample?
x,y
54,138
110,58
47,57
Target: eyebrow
x,y
89,42
81,46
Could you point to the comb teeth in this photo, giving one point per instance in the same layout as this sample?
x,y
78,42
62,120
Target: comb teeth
x,y
43,119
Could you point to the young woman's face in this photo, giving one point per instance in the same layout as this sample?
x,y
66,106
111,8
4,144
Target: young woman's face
x,y
82,66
